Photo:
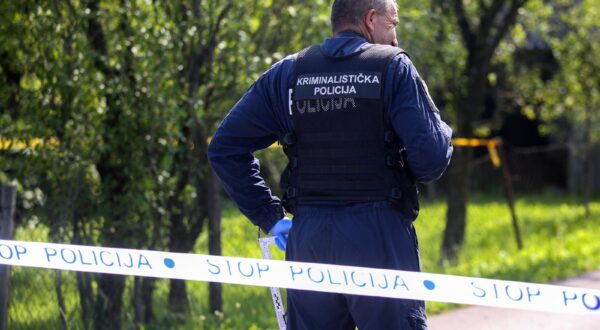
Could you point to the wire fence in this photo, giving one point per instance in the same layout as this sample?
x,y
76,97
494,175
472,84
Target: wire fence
x,y
556,167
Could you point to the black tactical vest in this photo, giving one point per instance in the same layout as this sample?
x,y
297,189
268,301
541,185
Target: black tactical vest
x,y
344,148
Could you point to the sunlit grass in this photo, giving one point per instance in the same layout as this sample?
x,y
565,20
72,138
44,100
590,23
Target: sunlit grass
x,y
558,242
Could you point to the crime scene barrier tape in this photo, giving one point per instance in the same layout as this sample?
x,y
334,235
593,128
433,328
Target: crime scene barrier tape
x,y
265,243
303,276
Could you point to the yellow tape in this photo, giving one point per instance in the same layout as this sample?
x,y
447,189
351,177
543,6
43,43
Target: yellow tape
x,y
16,145
491,144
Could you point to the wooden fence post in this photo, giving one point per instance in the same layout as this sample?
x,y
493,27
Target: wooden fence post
x,y
8,196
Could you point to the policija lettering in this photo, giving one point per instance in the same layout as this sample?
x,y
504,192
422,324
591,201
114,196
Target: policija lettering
x,y
319,105
81,257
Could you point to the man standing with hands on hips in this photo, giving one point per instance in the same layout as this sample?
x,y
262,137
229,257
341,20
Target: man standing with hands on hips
x,y
359,128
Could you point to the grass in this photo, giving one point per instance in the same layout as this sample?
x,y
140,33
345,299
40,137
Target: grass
x,y
559,242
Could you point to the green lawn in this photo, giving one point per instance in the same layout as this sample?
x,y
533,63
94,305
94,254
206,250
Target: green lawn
x,y
559,242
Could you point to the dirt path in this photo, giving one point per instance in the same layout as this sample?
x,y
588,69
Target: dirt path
x,y
508,319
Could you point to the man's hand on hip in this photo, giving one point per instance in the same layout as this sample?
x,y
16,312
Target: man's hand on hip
x,y
280,231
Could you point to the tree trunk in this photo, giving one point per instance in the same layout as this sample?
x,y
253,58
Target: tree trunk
x,y
86,298
457,192
142,301
574,166
180,241
148,286
215,290
588,175
588,170
178,296
109,302
62,309
84,280
481,37
8,200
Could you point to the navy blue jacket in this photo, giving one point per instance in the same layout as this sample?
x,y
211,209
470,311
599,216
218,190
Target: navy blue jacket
x,y
262,115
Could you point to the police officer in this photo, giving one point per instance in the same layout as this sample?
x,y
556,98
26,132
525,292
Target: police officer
x,y
359,129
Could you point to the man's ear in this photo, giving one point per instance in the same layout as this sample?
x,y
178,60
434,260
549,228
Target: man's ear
x,y
370,20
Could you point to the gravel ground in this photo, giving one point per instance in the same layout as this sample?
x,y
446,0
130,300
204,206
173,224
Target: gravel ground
x,y
487,318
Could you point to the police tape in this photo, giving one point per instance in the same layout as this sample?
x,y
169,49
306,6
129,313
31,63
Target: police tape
x,y
303,276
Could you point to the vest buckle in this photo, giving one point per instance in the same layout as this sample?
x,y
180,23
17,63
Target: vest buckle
x,y
291,193
289,139
388,137
396,194
389,161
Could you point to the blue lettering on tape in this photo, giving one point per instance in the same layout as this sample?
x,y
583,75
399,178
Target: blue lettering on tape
x,y
20,250
354,280
265,268
82,258
245,274
68,256
130,261
8,252
229,268
316,280
504,291
93,258
589,301
348,278
110,264
331,281
319,280
531,294
297,271
595,305
143,261
479,293
233,268
399,282
50,252
385,286
515,296
214,269
566,299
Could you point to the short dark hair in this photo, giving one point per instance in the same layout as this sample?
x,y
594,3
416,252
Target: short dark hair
x,y
352,11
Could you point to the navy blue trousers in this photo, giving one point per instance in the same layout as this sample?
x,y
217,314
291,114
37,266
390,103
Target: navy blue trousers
x,y
365,235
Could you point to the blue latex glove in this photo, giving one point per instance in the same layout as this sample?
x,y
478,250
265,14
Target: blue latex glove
x,y
280,231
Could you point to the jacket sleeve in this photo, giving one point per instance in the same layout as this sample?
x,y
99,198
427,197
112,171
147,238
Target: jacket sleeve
x,y
252,124
417,121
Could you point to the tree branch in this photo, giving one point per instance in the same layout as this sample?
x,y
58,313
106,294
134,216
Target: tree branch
x,y
482,5
464,25
488,17
503,26
128,57
95,34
